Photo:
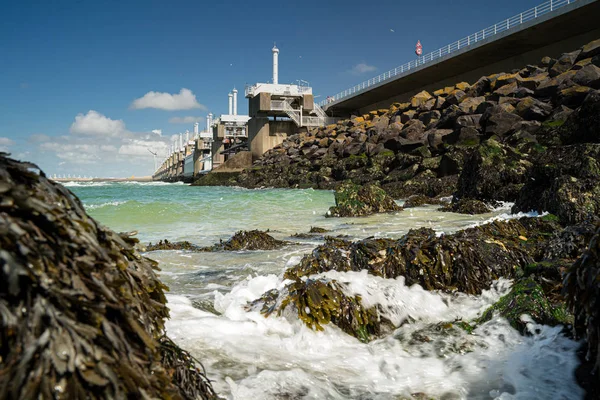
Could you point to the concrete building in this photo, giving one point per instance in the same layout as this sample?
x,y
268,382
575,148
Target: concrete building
x,y
189,156
230,133
280,110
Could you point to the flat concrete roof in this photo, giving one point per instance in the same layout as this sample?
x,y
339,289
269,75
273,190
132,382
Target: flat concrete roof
x,y
571,20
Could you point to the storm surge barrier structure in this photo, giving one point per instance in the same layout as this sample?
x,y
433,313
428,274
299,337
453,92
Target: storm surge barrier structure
x,y
512,23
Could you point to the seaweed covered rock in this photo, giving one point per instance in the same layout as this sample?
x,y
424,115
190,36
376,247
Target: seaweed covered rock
x,y
564,181
467,206
494,172
248,240
353,200
528,297
467,261
217,179
420,200
314,233
166,245
319,302
582,291
82,312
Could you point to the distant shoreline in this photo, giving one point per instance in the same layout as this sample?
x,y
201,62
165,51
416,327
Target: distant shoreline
x,y
132,179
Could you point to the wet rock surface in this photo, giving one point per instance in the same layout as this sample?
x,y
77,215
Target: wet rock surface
x,y
248,240
528,297
166,245
353,200
82,312
420,200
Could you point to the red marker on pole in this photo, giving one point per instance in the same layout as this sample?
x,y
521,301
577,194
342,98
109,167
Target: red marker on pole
x,y
419,48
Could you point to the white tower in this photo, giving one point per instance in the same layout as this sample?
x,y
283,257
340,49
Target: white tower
x,y
196,129
187,137
275,51
208,122
235,92
230,103
180,141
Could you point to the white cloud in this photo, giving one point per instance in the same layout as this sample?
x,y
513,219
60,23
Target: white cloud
x,y
95,124
185,120
79,153
362,68
185,100
5,143
157,132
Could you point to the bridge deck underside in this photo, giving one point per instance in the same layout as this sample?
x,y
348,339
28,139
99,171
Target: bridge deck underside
x,y
511,50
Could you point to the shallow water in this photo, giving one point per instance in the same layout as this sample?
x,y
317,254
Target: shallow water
x,y
252,357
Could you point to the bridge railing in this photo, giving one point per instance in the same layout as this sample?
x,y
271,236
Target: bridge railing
x,y
463,43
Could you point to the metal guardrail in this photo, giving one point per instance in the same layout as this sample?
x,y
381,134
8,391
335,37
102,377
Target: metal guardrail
x,y
495,29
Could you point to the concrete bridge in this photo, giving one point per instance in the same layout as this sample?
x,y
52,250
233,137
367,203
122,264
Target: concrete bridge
x,y
552,28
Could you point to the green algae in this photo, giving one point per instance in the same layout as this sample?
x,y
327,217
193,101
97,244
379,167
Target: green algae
x,y
527,297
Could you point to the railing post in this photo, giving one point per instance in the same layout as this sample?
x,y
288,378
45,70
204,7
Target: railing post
x,y
551,4
535,12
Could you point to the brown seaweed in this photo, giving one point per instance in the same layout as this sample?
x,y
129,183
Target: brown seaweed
x,y
82,312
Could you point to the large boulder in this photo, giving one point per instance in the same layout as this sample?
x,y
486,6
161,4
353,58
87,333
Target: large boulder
x,y
493,172
497,121
583,125
82,312
564,181
352,200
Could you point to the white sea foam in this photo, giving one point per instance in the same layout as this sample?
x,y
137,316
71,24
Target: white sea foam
x,y
398,302
102,205
508,216
85,184
269,358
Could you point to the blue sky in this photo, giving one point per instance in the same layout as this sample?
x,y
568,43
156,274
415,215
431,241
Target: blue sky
x,y
70,71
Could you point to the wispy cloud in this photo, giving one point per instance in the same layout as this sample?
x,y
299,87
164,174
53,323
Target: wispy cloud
x,y
95,124
184,100
185,120
362,68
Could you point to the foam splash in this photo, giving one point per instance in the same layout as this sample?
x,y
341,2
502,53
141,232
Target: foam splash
x,y
250,356
507,217
102,205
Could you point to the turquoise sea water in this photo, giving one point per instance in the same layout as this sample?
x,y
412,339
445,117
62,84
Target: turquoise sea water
x,y
252,357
